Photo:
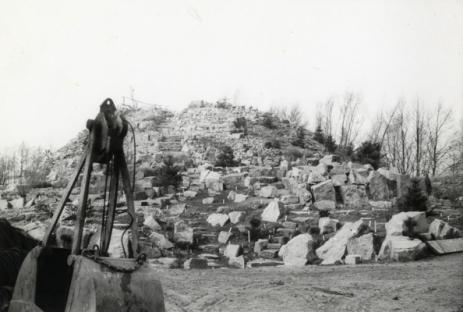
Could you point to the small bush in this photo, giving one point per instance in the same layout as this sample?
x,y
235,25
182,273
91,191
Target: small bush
x,y
415,199
368,153
272,144
167,174
226,158
319,136
267,122
300,138
330,144
293,153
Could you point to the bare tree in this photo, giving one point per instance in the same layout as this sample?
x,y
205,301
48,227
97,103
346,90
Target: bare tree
x,y
397,142
328,117
350,119
437,147
419,137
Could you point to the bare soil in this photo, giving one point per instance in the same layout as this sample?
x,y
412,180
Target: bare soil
x,y
433,284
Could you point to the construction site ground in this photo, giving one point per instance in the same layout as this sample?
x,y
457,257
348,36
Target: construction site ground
x,y
433,284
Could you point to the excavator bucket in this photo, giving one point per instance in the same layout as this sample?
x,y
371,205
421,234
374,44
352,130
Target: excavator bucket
x,y
46,282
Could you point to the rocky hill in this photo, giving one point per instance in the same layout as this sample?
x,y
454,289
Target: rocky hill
x,y
197,134
282,201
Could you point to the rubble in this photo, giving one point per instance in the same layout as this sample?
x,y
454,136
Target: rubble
x,y
272,212
217,219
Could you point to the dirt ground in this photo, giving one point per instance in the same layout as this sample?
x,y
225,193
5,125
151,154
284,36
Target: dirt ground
x,y
434,284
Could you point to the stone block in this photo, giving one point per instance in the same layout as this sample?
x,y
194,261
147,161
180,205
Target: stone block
x,y
353,259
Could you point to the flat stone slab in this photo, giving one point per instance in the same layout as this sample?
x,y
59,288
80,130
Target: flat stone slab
x,y
446,246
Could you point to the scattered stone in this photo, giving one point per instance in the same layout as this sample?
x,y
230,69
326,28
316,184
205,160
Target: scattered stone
x,y
232,251
208,200
183,233
151,223
237,262
353,259
304,195
269,253
439,229
3,204
160,241
177,209
236,216
190,194
231,196
260,245
167,262
289,199
325,205
195,263
224,236
17,203
268,191
239,198
217,219
264,263
272,212
380,205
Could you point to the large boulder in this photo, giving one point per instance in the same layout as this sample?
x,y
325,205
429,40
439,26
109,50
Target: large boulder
x,y
269,191
378,186
362,246
298,251
236,216
151,223
3,204
160,241
217,219
239,198
333,251
439,229
324,191
397,225
402,248
272,212
17,203
354,197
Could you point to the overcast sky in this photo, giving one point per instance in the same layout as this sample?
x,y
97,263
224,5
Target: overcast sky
x,y
60,59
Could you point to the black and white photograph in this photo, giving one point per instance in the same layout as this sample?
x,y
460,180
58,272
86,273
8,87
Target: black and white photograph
x,y
240,155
